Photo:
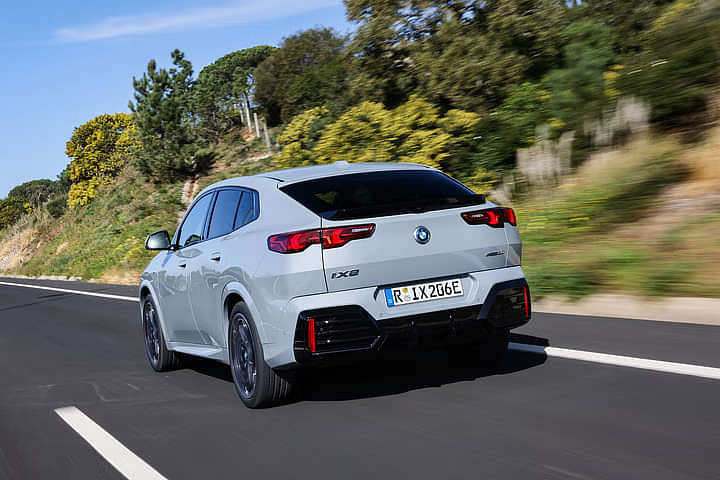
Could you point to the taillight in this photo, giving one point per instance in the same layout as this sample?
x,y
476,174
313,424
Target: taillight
x,y
293,242
509,215
337,237
494,217
329,238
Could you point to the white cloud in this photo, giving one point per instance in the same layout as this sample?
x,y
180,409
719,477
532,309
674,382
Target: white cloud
x,y
247,11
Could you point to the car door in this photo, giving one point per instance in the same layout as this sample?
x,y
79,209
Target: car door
x,y
232,209
179,320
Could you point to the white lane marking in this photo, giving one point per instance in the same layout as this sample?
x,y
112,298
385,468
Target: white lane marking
x,y
126,462
621,360
78,292
595,357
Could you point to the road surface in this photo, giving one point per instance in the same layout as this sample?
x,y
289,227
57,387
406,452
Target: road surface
x,y
78,400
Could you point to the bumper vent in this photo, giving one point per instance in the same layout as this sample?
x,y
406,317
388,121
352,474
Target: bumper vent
x,y
433,328
511,307
338,329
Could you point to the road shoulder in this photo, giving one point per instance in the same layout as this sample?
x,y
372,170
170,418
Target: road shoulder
x,y
703,311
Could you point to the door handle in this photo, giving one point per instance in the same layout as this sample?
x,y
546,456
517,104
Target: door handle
x,y
215,257
182,265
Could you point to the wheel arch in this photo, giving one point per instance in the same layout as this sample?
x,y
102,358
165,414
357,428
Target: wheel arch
x,y
146,289
234,293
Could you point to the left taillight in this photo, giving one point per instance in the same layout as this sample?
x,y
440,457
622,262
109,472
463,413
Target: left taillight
x,y
328,237
293,242
493,217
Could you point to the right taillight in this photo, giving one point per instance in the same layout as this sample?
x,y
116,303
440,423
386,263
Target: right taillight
x,y
493,217
509,215
329,238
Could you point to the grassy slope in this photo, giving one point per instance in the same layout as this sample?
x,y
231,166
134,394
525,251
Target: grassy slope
x,y
628,221
610,227
106,239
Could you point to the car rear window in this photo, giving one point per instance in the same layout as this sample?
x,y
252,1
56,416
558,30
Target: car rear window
x,y
379,194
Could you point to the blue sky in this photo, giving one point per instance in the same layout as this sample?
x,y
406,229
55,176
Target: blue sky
x,y
64,63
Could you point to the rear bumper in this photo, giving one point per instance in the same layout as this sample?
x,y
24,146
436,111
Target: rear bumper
x,y
349,333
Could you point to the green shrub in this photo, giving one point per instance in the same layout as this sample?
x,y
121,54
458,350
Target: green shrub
x,y
57,206
11,209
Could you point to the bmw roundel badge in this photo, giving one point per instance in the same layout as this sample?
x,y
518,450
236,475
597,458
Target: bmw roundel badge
x,y
422,235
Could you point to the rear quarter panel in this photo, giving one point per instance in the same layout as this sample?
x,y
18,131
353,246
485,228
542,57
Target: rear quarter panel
x,y
278,277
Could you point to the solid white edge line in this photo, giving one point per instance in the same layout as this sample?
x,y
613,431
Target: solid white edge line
x,y
621,360
78,292
605,358
126,462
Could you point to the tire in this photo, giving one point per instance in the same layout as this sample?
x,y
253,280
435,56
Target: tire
x,y
256,384
161,359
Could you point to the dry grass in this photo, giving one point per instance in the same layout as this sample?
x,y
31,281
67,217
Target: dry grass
x,y
607,163
120,277
642,219
704,161
17,248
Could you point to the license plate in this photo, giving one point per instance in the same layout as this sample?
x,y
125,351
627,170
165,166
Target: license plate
x,y
423,292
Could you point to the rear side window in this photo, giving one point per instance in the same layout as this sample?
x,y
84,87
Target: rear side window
x,y
192,228
223,216
246,210
378,194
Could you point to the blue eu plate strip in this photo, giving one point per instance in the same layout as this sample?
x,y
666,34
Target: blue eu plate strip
x,y
389,297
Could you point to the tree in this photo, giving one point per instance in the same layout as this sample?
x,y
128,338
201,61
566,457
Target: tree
x,y
460,53
627,19
37,192
380,50
323,85
98,149
162,113
532,29
11,209
222,87
577,89
679,67
306,71
466,69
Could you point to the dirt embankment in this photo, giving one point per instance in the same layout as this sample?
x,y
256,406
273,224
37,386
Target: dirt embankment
x,y
16,248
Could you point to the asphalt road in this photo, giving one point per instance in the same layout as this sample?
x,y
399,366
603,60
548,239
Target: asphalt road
x,y
537,417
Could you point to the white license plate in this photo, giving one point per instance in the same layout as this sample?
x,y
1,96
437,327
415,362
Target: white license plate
x,y
423,292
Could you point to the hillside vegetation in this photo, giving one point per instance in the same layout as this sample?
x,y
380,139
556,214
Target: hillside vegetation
x,y
643,219
596,119
106,239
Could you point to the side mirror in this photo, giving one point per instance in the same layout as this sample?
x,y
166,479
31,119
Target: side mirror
x,y
158,241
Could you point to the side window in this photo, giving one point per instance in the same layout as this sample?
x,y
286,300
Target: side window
x,y
223,216
192,228
246,210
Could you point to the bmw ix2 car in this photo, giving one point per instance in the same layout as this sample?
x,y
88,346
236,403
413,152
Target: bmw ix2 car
x,y
331,264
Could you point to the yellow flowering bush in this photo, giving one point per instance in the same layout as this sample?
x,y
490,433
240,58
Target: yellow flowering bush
x,y
413,132
98,150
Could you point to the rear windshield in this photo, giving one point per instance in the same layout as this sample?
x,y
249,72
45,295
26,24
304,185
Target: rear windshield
x,y
379,194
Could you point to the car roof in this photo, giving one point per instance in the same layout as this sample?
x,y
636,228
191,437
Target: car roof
x,y
337,168
308,173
